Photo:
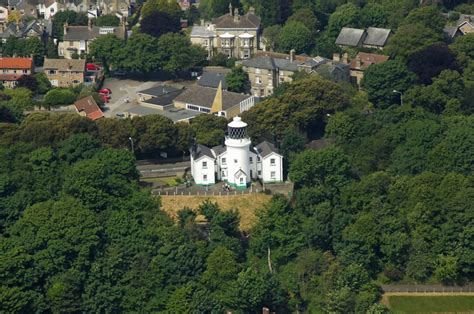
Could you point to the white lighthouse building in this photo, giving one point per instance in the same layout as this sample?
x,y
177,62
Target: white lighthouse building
x,y
237,162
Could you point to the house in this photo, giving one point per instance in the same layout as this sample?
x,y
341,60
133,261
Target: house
x,y
268,70
234,35
212,77
64,72
159,97
87,107
216,101
11,69
25,29
48,8
3,12
464,25
27,8
360,63
236,162
121,7
76,39
373,37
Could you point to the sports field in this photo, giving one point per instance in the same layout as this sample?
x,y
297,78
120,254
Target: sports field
x,y
433,303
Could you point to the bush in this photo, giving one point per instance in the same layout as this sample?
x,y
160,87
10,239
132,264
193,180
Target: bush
x,y
59,97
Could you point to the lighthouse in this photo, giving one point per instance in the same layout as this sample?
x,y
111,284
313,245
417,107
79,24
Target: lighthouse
x,y
238,151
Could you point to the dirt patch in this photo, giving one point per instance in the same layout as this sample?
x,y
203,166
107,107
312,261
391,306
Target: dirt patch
x,y
245,204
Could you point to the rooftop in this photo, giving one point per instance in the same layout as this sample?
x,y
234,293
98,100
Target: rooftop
x,y
204,97
350,36
89,107
16,63
246,21
65,64
165,99
212,79
75,33
199,151
202,31
367,59
173,114
377,36
265,148
159,90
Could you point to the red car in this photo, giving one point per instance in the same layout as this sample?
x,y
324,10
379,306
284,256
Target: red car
x,y
105,91
105,98
92,67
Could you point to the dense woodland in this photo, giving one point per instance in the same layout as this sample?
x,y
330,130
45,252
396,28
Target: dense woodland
x,y
389,199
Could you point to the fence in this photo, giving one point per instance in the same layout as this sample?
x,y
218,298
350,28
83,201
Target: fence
x,y
426,288
177,192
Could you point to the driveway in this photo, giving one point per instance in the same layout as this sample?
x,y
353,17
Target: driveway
x,y
121,89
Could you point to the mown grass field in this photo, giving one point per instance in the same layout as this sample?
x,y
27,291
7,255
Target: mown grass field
x,y
431,304
246,205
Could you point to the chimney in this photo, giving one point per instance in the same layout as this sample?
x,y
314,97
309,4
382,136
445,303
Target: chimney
x,y
65,28
236,15
252,10
292,55
89,23
336,56
357,62
345,58
230,8
265,310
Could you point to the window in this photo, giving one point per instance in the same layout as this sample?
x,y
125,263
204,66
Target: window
x,y
206,42
204,177
251,173
272,174
52,72
71,43
191,107
204,165
76,82
204,110
51,10
25,71
258,158
272,162
258,80
224,161
223,173
251,160
257,71
235,161
5,71
259,172
241,180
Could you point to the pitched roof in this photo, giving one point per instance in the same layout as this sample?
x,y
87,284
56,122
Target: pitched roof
x,y
159,90
204,97
219,149
65,64
165,99
350,36
10,77
248,20
367,59
212,79
16,63
89,107
199,151
265,148
262,62
202,31
377,36
75,33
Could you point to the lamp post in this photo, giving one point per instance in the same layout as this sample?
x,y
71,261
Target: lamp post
x,y
131,141
401,96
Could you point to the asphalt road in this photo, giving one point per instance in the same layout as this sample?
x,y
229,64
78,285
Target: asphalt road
x,y
151,168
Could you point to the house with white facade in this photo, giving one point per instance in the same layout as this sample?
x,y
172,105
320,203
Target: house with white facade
x,y
236,162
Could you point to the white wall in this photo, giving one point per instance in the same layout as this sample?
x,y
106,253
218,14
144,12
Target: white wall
x,y
198,171
268,168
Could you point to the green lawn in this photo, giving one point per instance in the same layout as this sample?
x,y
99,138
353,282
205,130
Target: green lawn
x,y
431,304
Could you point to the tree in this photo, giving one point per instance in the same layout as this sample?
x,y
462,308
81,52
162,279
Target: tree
x,y
380,80
270,36
294,35
411,38
70,17
158,23
51,50
374,15
307,17
447,269
139,54
27,81
238,80
59,97
346,15
462,46
107,20
430,61
428,16
328,167
106,49
166,6
209,129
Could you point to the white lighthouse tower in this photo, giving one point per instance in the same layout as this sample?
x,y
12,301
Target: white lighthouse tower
x,y
238,153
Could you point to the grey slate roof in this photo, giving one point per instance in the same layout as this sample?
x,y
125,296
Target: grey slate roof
x,y
202,31
200,151
269,63
173,114
265,148
159,90
75,33
350,36
204,97
248,20
211,79
23,29
219,149
377,36
164,100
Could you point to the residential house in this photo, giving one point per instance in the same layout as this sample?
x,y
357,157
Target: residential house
x,y
373,37
11,69
3,13
268,70
360,63
76,39
64,72
87,107
235,35
464,25
25,29
27,8
236,162
122,7
48,8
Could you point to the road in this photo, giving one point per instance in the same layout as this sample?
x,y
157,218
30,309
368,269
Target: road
x,y
150,169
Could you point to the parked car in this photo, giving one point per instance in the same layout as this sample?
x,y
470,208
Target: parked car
x,y
92,67
105,98
105,91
